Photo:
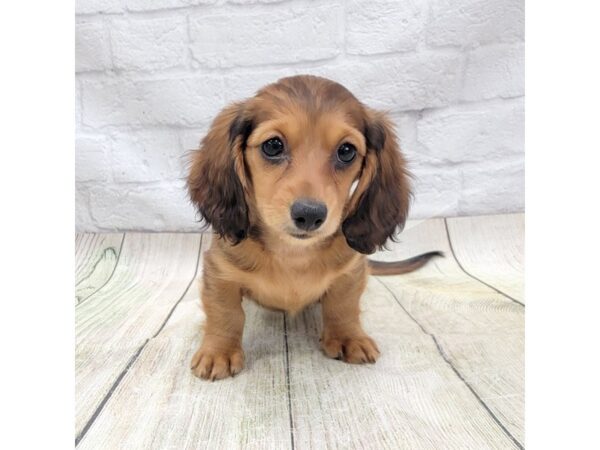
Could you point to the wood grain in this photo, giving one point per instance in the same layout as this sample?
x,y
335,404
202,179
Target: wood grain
x,y
160,404
153,273
479,331
491,249
96,256
411,398
450,374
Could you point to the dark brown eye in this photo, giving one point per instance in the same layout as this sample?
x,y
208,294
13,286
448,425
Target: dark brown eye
x,y
272,148
346,153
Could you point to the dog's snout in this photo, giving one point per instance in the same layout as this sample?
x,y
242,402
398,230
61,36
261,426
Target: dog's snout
x,y
308,214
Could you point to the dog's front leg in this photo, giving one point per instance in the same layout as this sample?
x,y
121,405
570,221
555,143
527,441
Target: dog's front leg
x,y
220,354
343,336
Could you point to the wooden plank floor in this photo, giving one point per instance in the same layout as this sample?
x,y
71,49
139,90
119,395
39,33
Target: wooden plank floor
x,y
451,374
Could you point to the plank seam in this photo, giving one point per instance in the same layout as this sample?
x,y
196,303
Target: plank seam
x,y
111,274
186,290
454,369
133,359
108,395
287,376
473,276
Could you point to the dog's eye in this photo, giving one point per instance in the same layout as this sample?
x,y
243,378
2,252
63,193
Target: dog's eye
x,y
272,148
346,153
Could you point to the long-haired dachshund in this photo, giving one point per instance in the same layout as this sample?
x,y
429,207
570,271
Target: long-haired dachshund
x,y
298,182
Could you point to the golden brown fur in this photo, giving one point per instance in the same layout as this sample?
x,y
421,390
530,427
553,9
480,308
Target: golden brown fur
x,y
246,196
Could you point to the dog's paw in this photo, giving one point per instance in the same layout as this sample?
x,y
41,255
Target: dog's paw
x,y
212,364
354,349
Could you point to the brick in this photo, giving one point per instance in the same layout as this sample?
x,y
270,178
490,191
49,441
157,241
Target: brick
x,y
98,6
402,82
78,112
83,219
383,26
493,187
495,71
178,101
405,126
242,84
145,208
137,121
283,34
152,5
477,132
149,44
143,156
436,191
189,140
398,83
471,22
250,2
92,48
91,158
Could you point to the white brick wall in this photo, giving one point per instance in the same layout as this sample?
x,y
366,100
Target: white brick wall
x,y
151,74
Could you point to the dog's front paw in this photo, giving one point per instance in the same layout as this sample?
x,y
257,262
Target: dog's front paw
x,y
351,349
215,364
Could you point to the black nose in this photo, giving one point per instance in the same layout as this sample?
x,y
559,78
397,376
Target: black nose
x,y
308,214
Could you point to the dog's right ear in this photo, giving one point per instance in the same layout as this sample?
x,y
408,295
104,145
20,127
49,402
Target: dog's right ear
x,y
384,197
217,168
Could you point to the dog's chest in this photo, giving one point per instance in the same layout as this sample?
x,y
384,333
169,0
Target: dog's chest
x,y
288,285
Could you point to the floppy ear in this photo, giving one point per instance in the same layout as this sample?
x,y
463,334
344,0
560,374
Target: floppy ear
x,y
214,180
382,197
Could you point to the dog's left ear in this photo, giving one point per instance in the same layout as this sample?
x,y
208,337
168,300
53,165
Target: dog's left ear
x,y
382,197
217,176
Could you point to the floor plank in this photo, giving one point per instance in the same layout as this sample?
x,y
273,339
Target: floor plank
x,y
96,255
160,404
411,398
153,273
491,249
468,320
450,375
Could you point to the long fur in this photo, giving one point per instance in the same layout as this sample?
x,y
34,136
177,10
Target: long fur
x,y
383,207
213,183
246,198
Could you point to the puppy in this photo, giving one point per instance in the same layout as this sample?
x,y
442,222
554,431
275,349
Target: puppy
x,y
298,183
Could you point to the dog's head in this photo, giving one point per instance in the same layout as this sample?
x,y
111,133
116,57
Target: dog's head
x,y
302,159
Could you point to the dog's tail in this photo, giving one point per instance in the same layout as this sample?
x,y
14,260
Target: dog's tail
x,y
400,267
